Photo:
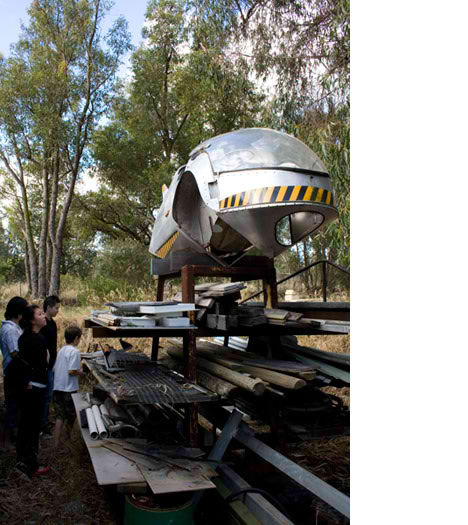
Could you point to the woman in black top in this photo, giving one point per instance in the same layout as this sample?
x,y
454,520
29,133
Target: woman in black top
x,y
32,349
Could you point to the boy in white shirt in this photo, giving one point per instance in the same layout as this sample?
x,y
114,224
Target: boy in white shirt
x,y
67,369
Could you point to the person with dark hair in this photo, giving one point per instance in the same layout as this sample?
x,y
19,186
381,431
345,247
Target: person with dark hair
x,y
32,350
51,307
9,335
67,370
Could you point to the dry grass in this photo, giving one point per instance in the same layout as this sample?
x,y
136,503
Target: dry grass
x,y
68,495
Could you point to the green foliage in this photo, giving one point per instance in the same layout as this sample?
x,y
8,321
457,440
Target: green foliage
x,y
329,135
181,93
125,261
206,67
11,259
54,89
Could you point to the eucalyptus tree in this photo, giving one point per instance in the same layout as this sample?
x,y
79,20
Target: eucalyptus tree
x,y
180,93
300,51
54,88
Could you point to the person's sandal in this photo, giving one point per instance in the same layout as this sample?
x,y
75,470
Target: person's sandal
x,y
41,471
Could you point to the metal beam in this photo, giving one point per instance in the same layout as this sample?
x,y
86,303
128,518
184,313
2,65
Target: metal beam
x,y
260,507
217,452
324,491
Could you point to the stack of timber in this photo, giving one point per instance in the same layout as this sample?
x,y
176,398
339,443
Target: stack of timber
x,y
105,317
219,289
217,304
251,316
145,314
218,309
224,371
329,366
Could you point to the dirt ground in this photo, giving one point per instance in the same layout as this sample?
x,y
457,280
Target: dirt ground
x,y
69,494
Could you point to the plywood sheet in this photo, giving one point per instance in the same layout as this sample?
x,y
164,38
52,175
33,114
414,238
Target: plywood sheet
x,y
168,478
112,469
170,474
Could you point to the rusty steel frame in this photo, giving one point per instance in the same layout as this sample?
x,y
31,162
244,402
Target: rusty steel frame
x,y
249,269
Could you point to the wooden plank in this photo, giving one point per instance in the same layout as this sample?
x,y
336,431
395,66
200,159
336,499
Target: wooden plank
x,y
147,331
249,358
168,474
134,457
276,314
110,468
313,309
166,479
113,469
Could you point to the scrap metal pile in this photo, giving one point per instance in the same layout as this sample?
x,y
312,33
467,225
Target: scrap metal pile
x,y
131,378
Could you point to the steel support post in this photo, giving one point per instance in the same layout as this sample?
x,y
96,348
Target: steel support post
x,y
220,446
159,297
324,281
270,289
190,350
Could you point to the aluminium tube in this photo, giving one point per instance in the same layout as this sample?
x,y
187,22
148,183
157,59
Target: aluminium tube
x,y
103,434
93,432
104,410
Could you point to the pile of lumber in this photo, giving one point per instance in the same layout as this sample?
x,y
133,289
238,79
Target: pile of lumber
x,y
223,370
106,317
218,308
219,289
329,366
145,314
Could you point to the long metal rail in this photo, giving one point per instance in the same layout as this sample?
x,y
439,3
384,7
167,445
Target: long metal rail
x,y
323,262
245,435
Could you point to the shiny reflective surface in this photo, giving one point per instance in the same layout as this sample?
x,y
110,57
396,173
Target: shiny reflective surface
x,y
259,148
292,228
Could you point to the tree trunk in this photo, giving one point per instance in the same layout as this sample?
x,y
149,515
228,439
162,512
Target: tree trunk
x,y
32,264
54,284
27,269
50,249
44,233
306,263
28,236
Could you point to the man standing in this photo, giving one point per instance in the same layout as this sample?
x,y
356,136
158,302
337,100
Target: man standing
x,y
9,336
49,331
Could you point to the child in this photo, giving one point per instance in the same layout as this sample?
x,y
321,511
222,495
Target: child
x,y
67,370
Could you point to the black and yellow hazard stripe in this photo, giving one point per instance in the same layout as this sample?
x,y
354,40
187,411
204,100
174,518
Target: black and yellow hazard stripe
x,y
277,194
162,252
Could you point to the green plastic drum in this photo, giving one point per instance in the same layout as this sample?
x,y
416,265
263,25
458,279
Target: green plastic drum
x,y
137,513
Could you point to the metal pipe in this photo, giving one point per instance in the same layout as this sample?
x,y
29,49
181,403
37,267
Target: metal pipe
x,y
93,431
104,410
103,434
324,281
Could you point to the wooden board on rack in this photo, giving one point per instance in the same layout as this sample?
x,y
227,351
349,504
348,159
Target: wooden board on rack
x,y
167,475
